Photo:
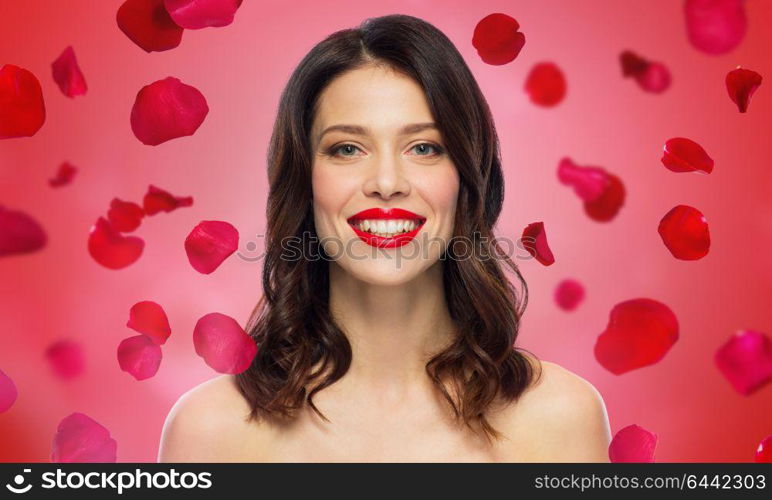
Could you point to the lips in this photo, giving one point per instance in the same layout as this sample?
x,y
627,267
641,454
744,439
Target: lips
x,y
381,220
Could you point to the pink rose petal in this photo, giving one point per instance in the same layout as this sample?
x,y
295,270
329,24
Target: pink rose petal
x,y
19,233
607,205
602,192
497,39
8,392
167,109
210,243
223,343
64,175
80,438
639,333
157,200
715,26
685,155
22,110
746,361
684,231
149,318
764,451
569,294
139,356
741,84
110,248
67,74
535,242
632,444
148,24
197,14
125,216
545,84
66,358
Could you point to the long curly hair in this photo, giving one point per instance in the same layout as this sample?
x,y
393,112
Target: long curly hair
x,y
292,324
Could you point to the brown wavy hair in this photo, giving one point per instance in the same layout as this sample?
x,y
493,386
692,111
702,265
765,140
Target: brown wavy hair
x,y
292,323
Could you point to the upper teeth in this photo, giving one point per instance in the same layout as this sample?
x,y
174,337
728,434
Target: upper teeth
x,y
383,227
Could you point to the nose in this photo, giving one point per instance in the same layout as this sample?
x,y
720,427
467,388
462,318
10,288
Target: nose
x,y
386,179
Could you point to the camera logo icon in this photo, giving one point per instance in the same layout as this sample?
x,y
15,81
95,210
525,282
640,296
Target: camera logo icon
x,y
18,480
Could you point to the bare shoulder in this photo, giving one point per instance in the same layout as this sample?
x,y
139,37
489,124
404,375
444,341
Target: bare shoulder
x,y
563,417
208,423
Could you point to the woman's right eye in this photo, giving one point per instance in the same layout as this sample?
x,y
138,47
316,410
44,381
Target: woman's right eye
x,y
344,148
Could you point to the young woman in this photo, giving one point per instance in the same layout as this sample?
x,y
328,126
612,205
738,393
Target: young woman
x,y
387,326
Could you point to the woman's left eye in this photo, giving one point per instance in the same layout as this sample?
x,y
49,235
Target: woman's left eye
x,y
425,145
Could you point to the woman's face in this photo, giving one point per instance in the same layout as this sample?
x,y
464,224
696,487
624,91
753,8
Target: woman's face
x,y
377,163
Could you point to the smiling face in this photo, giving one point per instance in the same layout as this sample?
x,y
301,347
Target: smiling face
x,y
375,148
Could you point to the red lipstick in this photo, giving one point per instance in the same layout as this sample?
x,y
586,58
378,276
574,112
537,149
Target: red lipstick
x,y
375,240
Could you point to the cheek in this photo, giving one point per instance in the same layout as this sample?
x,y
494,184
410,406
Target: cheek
x,y
330,193
440,189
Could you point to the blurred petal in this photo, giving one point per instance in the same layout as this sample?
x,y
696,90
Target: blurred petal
x,y
67,74
149,318
746,361
764,451
569,294
139,356
741,83
497,40
125,216
8,392
715,26
167,109
66,358
639,333
685,233
196,14
80,438
632,444
19,233
110,248
651,76
588,182
22,110
223,344
535,242
685,155
210,243
545,84
64,175
157,200
148,24
607,205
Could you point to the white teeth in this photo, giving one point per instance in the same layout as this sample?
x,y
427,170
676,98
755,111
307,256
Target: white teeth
x,y
391,226
400,225
365,225
387,227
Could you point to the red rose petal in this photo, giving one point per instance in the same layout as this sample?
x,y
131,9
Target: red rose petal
x,y
741,83
139,356
223,344
569,294
588,182
545,84
22,110
157,200
80,438
110,248
125,216
64,175
764,451
66,358
746,361
196,14
535,241
67,74
149,318
210,243
632,444
685,155
651,76
685,233
632,64
148,24
497,40
19,233
607,205
639,333
8,392
167,109
715,26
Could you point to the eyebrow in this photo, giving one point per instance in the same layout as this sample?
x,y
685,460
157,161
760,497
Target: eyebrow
x,y
359,130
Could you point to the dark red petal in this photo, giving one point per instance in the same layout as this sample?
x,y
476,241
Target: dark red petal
x,y
632,64
125,216
66,358
110,248
569,294
535,242
139,356
80,438
67,74
741,83
685,155
715,26
589,183
196,14
656,79
157,200
764,451
746,361
22,110
149,318
223,344
148,24
8,392
210,243
19,233
639,333
632,444
607,205
167,109
497,40
545,84
685,233
64,175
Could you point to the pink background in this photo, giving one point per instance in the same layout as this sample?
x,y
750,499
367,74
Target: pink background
x,y
605,120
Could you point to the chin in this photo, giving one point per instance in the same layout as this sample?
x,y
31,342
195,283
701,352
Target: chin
x,y
383,272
